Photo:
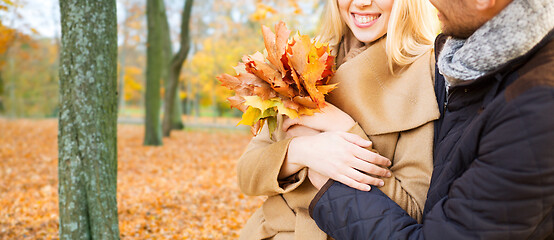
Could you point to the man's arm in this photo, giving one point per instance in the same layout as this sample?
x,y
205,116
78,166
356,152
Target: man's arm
x,y
506,193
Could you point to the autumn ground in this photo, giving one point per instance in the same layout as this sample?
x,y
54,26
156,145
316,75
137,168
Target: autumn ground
x,y
185,189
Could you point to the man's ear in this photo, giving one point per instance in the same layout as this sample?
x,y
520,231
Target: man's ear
x,y
484,5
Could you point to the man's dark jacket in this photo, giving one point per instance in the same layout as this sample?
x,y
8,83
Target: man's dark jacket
x,y
493,174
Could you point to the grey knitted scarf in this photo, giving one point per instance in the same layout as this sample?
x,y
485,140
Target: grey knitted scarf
x,y
510,34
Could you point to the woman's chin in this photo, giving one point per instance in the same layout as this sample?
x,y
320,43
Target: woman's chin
x,y
367,37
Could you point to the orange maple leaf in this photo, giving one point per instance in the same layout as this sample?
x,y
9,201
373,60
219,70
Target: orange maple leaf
x,y
290,80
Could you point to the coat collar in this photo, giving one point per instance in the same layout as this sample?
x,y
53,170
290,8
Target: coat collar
x,y
509,66
381,102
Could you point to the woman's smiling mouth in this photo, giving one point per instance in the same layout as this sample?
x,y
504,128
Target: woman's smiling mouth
x,y
364,20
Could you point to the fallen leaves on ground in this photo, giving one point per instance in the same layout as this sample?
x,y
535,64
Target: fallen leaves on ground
x,y
185,189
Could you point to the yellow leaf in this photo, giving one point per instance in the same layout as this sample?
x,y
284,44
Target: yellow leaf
x,y
307,111
249,117
324,89
257,102
287,111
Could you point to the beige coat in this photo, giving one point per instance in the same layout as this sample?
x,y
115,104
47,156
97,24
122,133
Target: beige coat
x,y
395,112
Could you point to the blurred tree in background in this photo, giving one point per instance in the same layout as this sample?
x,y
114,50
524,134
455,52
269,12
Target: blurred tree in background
x,y
100,75
132,59
7,37
31,91
156,71
221,32
172,109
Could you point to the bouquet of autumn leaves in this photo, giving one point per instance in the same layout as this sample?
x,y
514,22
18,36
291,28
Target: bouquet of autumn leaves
x,y
292,79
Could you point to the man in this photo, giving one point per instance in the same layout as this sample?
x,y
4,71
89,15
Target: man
x,y
494,143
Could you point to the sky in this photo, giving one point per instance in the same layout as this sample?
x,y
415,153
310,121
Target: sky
x,y
44,17
41,15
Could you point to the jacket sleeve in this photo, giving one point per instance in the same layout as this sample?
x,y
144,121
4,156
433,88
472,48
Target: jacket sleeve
x,y
412,166
506,193
259,166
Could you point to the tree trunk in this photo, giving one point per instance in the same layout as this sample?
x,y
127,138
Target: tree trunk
x,y
176,122
155,13
197,101
121,86
175,67
2,109
187,101
87,134
15,109
122,65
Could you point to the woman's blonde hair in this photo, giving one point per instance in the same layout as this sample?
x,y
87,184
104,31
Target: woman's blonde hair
x,y
412,28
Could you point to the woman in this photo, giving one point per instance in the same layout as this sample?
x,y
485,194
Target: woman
x,y
385,69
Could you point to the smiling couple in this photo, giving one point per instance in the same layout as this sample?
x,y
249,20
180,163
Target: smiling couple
x,y
426,137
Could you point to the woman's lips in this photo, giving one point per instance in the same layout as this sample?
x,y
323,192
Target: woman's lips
x,y
364,20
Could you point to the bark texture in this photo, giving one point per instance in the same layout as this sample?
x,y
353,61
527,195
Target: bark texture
x,y
87,134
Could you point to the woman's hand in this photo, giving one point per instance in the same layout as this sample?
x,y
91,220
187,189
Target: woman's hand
x,y
317,179
299,130
340,156
329,119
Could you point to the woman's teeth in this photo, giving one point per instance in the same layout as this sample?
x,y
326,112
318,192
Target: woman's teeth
x,y
363,19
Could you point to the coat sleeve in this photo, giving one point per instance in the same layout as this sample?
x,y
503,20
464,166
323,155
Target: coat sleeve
x,y
259,166
506,193
412,166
